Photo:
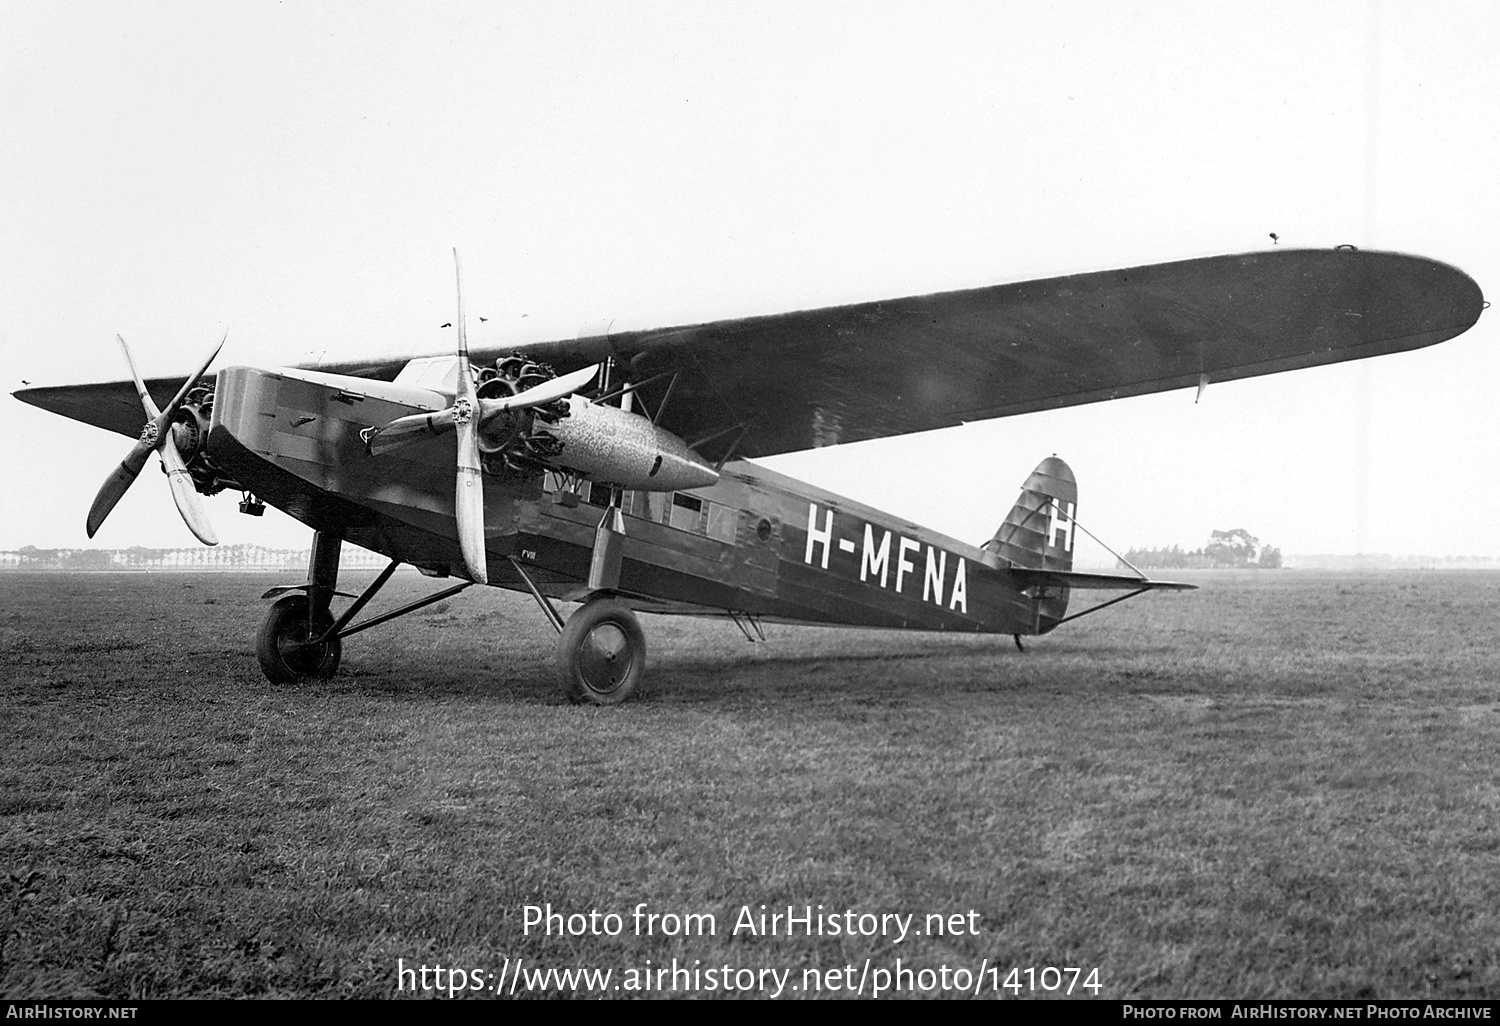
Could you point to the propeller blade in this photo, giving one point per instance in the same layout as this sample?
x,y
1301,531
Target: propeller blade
x,y
182,392
468,496
548,391
404,430
140,386
185,494
463,328
150,404
468,502
117,484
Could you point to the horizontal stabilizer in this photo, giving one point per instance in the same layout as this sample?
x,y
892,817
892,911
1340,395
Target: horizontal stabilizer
x,y
1094,582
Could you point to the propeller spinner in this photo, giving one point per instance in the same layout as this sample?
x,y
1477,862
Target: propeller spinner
x,y
157,435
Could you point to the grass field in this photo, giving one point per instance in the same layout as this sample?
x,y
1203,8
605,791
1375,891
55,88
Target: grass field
x,y
1282,785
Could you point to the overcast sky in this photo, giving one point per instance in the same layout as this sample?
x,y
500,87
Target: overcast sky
x,y
298,173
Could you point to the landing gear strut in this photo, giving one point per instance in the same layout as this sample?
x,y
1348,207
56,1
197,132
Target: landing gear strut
x,y
601,650
300,637
297,639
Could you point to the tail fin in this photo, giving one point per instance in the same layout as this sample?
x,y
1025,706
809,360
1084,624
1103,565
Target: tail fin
x,y
1038,535
1038,531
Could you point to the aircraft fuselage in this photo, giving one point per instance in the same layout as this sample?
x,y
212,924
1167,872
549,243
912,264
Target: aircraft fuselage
x,y
756,543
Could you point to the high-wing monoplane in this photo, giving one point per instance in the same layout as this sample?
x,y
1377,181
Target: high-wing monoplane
x,y
615,470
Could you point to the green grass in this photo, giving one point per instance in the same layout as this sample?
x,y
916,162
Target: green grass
x,y
1279,786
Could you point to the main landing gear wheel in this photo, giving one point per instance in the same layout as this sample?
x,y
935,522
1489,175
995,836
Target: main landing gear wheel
x,y
281,646
601,654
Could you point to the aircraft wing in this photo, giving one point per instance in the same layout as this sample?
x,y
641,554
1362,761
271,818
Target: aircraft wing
x,y
1093,582
110,405
758,386
799,380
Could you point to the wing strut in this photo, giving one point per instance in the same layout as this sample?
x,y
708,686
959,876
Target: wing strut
x,y
742,428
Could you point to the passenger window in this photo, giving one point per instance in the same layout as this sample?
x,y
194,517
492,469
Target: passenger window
x,y
687,511
641,505
722,521
595,494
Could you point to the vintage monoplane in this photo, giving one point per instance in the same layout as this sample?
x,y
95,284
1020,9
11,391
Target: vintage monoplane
x,y
613,470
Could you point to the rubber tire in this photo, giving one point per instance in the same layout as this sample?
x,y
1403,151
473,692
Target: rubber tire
x,y
601,655
283,659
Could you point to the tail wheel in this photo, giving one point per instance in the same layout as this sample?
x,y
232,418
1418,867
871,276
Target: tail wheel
x,y
281,646
601,655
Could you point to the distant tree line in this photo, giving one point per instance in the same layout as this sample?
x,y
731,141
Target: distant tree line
x,y
138,557
1234,549
1386,561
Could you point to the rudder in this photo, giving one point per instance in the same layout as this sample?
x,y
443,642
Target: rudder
x,y
1037,534
1038,530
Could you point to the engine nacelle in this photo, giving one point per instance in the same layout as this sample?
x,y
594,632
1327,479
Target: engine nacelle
x,y
608,444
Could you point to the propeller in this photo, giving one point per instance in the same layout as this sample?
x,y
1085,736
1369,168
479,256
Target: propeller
x,y
157,435
467,415
468,496
407,429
